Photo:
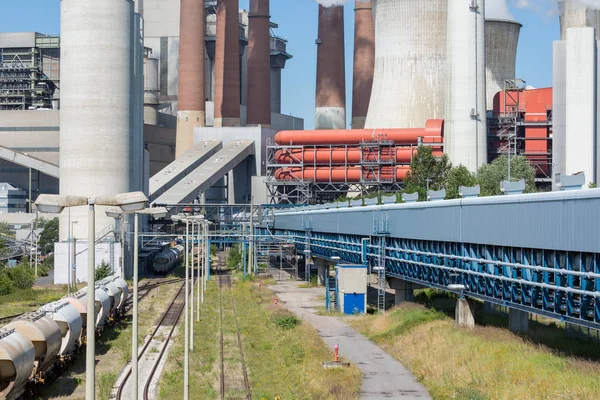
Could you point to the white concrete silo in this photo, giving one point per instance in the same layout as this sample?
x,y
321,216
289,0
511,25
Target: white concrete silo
x,y
501,41
466,120
98,141
151,91
409,83
575,14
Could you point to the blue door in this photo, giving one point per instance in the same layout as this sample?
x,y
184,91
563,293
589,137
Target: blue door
x,y
354,303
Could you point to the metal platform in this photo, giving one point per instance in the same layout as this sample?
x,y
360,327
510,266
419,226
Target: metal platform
x,y
207,174
182,166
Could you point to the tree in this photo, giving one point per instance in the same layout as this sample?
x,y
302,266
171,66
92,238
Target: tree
x,y
426,171
490,175
102,271
49,235
6,233
234,257
457,177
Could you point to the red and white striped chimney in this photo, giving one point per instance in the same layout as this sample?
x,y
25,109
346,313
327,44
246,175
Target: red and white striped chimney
x,y
330,110
191,91
227,64
259,64
364,62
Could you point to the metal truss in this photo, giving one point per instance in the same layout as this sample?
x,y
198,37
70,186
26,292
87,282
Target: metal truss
x,y
559,284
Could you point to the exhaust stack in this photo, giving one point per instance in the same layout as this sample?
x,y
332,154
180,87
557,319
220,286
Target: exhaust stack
x,y
192,99
259,64
330,110
227,65
364,62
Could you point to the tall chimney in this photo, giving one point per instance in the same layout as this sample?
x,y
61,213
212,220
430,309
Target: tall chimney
x,y
364,62
259,64
330,110
227,65
192,99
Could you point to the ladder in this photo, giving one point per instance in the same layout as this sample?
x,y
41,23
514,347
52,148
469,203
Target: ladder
x,y
307,258
381,276
331,300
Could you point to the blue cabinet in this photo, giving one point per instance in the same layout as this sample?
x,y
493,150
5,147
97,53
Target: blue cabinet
x,y
354,303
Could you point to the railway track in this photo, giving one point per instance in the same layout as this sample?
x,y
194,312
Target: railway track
x,y
234,384
169,320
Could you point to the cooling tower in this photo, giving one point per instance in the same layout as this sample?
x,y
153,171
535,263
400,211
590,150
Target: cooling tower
x,y
191,86
259,64
150,91
501,41
330,110
573,14
466,117
364,62
97,136
227,65
409,82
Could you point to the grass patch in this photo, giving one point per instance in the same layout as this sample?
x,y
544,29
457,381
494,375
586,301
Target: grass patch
x,y
314,282
488,362
283,355
25,300
105,383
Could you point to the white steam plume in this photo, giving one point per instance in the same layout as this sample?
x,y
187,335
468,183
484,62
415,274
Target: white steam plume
x,y
595,4
498,9
331,3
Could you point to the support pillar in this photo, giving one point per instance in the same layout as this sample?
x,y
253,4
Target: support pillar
x,y
403,290
518,321
465,313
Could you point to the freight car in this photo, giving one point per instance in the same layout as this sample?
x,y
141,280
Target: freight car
x,y
167,260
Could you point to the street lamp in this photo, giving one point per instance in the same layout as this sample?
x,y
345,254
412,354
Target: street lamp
x,y
55,204
159,212
186,346
71,264
198,219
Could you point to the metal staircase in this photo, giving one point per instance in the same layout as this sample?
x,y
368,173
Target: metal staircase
x,y
382,231
331,295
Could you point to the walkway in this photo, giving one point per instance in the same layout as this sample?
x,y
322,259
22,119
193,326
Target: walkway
x,y
383,376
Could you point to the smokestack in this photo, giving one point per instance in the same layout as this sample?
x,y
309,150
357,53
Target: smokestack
x,y
466,116
192,99
259,64
330,110
150,90
227,65
574,14
364,62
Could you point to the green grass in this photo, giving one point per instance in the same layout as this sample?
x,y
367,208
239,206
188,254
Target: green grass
x,y
25,300
283,357
487,362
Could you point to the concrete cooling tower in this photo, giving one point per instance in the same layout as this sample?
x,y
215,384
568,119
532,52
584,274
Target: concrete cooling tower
x,y
573,14
409,83
501,41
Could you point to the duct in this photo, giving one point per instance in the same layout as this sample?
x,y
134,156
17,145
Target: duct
x,y
364,62
342,174
466,117
410,63
347,155
501,41
208,173
191,85
259,64
182,166
330,110
227,65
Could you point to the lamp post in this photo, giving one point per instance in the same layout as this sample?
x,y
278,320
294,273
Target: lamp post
x,y
159,212
118,215
55,204
199,295
195,220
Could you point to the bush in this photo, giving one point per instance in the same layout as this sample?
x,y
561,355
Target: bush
x,y
286,321
22,277
103,271
6,285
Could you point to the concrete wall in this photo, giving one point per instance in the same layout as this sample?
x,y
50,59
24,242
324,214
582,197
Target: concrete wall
x,y
103,253
559,109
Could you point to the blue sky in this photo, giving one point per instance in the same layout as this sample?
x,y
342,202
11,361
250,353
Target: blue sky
x,y
298,23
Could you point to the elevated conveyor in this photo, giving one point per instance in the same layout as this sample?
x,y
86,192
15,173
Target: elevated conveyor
x,y
182,166
207,174
27,161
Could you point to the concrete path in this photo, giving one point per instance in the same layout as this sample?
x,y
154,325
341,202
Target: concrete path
x,y
383,376
46,280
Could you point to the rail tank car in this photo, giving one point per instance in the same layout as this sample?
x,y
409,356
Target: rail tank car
x,y
17,357
167,260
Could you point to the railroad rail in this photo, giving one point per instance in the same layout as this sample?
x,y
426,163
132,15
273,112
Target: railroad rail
x,y
169,318
231,389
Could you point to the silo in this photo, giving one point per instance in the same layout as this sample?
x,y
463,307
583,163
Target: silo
x,y
150,90
96,140
409,83
501,41
364,62
466,117
191,98
574,14
330,102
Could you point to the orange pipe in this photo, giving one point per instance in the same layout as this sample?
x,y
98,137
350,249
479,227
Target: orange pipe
x,y
341,155
433,127
341,174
